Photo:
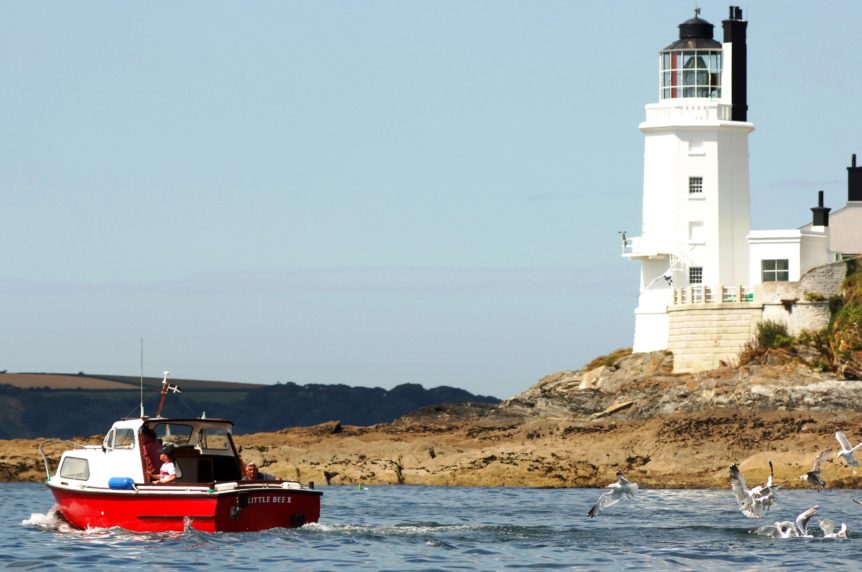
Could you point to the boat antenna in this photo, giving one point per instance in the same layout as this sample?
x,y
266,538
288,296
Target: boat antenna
x,y
142,377
166,387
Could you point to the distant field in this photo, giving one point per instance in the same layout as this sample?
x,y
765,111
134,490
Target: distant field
x,y
57,381
115,382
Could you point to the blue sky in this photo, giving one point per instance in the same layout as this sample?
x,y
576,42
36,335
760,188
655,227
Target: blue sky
x,y
367,193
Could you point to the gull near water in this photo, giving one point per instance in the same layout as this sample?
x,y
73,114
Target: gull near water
x,y
623,488
753,502
787,529
813,477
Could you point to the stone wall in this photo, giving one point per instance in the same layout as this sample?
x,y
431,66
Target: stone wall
x,y
704,335
785,302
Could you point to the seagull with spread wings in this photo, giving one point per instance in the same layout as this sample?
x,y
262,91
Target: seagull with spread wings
x,y
846,451
752,502
622,488
813,477
828,528
787,529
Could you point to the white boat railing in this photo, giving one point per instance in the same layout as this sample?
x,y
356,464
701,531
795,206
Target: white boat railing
x,y
703,294
42,445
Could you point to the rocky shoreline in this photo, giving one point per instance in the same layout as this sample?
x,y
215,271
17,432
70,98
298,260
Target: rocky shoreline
x,y
575,429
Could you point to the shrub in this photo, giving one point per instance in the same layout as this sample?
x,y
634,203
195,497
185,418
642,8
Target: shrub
x,y
608,360
772,334
814,297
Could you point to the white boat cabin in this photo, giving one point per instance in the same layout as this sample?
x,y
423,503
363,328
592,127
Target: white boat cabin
x,y
204,452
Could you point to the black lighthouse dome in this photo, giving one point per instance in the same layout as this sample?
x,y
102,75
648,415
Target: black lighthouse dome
x,y
695,33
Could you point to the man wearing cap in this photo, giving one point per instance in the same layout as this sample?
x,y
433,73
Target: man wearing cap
x,y
168,471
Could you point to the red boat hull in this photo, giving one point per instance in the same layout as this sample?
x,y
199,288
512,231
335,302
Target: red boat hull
x,y
236,510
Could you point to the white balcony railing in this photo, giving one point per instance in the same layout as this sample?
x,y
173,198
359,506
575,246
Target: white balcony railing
x,y
702,294
691,110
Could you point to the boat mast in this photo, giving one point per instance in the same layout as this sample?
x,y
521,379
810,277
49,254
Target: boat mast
x,y
142,377
166,387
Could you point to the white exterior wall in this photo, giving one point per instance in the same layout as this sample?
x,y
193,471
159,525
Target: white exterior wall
x,y
774,245
814,250
689,138
803,250
845,236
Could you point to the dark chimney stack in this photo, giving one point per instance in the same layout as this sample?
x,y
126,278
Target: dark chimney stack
x,y
734,33
821,213
854,181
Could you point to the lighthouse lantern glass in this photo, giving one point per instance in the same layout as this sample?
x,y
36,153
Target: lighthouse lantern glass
x,y
691,73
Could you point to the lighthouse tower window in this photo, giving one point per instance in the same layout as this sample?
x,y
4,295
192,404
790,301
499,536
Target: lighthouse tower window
x,y
691,73
695,275
695,185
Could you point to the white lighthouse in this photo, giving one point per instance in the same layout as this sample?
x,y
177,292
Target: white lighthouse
x,y
695,193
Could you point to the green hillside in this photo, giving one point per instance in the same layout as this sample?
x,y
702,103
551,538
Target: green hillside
x,y
69,405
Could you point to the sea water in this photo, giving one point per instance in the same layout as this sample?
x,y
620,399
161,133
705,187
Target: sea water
x,y
435,528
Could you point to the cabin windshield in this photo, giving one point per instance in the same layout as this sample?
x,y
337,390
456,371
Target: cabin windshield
x,y
173,433
214,438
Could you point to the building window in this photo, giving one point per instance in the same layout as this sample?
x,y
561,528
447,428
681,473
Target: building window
x,y
695,185
775,270
695,275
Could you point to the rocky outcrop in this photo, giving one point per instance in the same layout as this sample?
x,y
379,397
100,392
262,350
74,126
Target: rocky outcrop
x,y
576,428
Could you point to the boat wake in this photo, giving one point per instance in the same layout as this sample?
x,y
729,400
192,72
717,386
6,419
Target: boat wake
x,y
52,521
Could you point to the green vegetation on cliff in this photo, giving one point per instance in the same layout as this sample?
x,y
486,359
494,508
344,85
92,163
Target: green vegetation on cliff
x,y
837,347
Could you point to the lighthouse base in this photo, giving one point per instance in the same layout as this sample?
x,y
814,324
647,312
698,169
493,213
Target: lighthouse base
x,y
651,331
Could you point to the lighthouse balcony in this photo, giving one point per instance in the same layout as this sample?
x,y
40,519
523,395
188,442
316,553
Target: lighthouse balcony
x,y
680,111
641,247
703,294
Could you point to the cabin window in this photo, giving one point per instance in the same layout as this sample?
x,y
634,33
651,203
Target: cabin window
x,y
75,468
109,438
173,433
119,439
124,439
775,270
214,438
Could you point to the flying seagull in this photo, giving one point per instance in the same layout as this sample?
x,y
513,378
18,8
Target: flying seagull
x,y
846,451
622,488
752,502
812,477
767,492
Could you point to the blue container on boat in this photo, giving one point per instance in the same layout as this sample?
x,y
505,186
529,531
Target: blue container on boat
x,y
121,483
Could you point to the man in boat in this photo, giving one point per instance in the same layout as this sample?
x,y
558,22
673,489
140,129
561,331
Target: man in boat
x,y
168,471
151,449
252,473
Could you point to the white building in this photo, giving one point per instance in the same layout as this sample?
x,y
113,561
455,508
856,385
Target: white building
x,y
702,268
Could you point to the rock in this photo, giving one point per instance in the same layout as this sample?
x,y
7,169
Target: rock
x,y
593,378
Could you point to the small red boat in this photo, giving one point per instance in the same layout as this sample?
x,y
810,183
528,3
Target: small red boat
x,y
108,485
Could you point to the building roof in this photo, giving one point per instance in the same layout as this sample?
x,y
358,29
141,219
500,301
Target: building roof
x,y
695,34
